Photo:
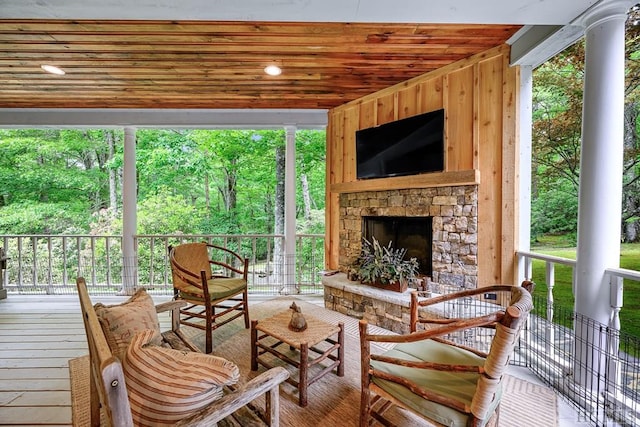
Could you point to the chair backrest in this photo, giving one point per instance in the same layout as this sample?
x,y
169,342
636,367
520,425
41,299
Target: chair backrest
x,y
187,261
502,346
512,306
108,389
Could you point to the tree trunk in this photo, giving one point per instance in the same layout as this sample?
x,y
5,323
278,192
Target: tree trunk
x,y
228,191
113,197
630,196
306,197
207,196
232,180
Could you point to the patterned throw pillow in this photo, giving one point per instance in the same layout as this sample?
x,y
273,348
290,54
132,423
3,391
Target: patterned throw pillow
x,y
166,385
120,322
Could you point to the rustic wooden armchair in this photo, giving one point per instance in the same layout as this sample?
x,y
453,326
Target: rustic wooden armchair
x,y
437,372
214,297
119,392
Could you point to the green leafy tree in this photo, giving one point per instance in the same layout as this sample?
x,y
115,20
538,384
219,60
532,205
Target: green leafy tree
x,y
240,168
54,176
189,181
556,134
311,172
557,102
631,176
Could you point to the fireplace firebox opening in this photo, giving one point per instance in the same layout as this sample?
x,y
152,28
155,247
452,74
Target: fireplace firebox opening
x,y
415,234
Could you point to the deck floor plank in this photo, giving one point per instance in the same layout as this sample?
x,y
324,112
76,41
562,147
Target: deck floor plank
x,y
38,336
44,373
42,345
42,339
40,416
35,398
35,384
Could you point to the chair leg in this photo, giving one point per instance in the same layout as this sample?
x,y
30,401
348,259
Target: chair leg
x,y
208,310
365,394
245,300
365,407
209,329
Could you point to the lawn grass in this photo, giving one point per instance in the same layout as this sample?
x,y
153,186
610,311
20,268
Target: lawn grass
x,y
562,292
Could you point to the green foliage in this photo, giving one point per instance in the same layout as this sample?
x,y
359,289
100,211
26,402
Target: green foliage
x,y
311,161
384,264
557,126
46,218
165,213
556,212
40,166
189,181
312,225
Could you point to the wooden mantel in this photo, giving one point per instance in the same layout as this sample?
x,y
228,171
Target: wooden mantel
x,y
427,180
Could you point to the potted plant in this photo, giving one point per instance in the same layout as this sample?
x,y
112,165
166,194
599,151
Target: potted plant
x,y
384,266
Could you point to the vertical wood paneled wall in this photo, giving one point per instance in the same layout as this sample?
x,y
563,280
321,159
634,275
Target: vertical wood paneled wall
x,y
480,96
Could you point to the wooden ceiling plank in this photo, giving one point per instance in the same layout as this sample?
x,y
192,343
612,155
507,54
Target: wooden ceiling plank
x,y
224,27
191,64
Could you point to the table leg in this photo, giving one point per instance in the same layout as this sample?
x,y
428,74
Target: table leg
x,y
254,345
302,382
341,350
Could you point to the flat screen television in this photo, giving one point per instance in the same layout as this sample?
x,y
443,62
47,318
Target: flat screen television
x,y
403,147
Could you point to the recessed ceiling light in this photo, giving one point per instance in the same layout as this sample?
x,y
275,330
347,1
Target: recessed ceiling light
x,y
273,70
53,69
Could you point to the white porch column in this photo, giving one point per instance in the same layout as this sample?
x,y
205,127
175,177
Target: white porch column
x,y
290,208
524,181
129,217
600,198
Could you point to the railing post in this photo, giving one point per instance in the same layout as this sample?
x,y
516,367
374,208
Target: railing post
x,y
50,289
613,385
528,268
34,251
549,332
92,246
3,268
64,261
527,263
107,250
79,256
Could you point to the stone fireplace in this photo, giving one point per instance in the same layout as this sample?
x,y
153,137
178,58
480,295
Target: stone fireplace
x,y
454,213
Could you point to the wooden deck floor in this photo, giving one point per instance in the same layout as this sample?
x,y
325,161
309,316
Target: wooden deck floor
x,y
38,336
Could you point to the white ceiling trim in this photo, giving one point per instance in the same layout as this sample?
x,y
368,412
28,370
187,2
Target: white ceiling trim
x,y
159,118
532,12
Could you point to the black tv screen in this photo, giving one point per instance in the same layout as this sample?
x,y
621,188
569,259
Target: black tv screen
x,y
404,147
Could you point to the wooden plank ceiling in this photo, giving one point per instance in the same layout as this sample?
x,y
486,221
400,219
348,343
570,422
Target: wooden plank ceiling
x,y
199,64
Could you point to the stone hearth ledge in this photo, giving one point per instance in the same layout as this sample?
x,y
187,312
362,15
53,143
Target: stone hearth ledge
x,y
387,309
340,281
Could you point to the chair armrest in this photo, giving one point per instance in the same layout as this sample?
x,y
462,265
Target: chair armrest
x,y
169,305
237,399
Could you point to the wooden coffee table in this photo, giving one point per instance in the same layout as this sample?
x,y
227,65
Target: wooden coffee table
x,y
306,349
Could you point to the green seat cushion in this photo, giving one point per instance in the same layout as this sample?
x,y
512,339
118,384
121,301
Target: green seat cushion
x,y
456,385
219,287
